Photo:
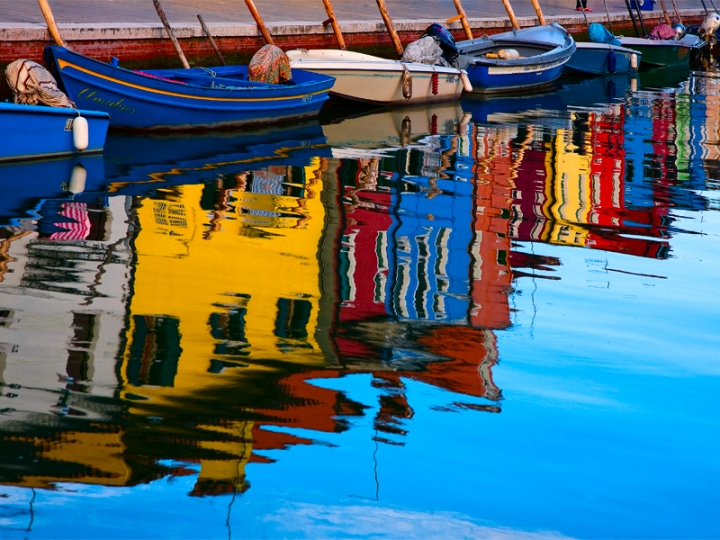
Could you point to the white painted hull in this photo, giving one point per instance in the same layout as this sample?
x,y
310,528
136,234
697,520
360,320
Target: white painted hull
x,y
380,132
370,79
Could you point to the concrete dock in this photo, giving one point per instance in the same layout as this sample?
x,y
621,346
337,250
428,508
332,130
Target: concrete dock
x,y
132,30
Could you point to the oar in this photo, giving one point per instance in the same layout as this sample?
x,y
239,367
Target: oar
x,y
607,12
511,14
171,34
260,24
705,7
390,27
541,19
665,13
333,21
212,41
50,20
462,18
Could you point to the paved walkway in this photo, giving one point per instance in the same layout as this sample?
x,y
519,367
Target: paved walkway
x,y
21,13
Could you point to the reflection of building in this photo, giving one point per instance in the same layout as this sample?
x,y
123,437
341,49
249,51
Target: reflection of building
x,y
62,313
233,301
417,245
423,270
247,253
581,196
226,279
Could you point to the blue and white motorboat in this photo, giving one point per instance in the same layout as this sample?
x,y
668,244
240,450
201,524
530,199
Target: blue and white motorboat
x,y
35,131
517,60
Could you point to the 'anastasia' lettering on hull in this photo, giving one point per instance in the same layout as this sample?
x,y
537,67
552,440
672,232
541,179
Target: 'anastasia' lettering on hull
x,y
95,98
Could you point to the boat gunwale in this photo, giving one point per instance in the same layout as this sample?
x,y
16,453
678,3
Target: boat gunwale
x,y
646,42
74,112
547,57
374,64
579,45
150,82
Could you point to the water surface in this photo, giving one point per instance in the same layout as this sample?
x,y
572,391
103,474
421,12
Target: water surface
x,y
493,318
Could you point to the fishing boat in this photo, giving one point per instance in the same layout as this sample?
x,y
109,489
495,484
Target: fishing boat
x,y
592,58
184,98
663,52
667,45
35,131
516,60
371,79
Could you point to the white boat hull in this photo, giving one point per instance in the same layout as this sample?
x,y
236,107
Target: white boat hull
x,y
370,79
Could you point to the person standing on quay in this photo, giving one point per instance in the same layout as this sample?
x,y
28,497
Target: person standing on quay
x,y
581,5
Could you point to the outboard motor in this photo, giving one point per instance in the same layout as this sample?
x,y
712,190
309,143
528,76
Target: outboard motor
x,y
680,31
709,26
445,40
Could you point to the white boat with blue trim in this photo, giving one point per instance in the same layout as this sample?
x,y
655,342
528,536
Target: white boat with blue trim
x,y
517,60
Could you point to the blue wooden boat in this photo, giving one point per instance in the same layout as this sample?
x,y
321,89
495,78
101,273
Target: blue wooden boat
x,y
602,59
516,60
33,131
184,98
603,55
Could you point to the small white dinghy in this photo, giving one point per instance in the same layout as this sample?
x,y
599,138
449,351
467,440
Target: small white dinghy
x,y
371,79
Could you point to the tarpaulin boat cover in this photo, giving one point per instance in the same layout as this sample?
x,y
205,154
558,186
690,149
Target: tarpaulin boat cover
x,y
32,84
424,51
599,34
662,31
270,65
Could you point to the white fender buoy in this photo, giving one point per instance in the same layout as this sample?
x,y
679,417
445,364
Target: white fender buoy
x,y
508,54
78,176
709,26
467,85
80,133
463,125
634,61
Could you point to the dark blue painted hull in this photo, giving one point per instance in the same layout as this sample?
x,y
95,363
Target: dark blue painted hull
x,y
485,80
185,99
603,59
32,131
543,51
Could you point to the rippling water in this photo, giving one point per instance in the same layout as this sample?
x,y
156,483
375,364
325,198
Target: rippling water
x,y
495,318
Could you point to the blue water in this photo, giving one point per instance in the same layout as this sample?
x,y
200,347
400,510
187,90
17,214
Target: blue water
x,y
509,328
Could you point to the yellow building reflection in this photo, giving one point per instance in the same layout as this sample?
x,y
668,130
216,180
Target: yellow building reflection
x,y
569,191
224,286
226,281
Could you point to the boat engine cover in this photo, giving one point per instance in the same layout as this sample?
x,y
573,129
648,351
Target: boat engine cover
x,y
445,40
